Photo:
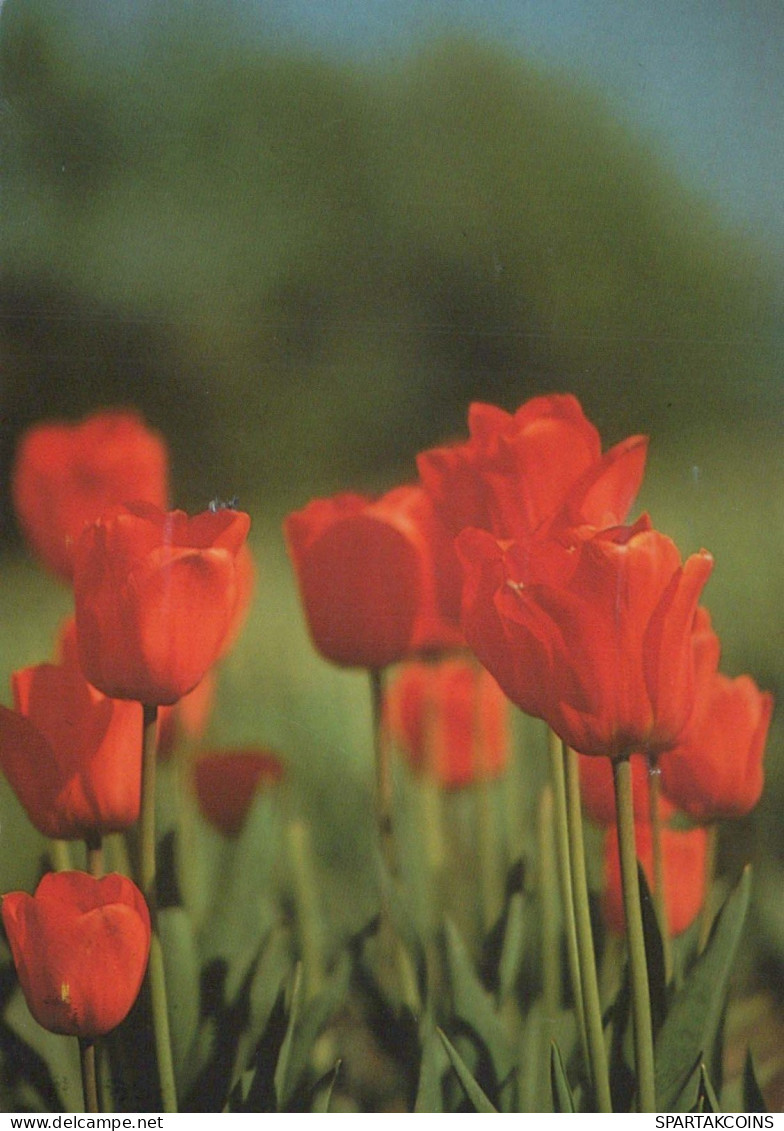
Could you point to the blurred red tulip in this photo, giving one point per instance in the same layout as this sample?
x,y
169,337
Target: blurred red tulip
x,y
450,720
157,596
374,576
715,771
227,782
80,948
71,755
606,658
66,475
684,856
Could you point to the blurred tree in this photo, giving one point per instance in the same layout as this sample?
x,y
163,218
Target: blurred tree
x,y
303,272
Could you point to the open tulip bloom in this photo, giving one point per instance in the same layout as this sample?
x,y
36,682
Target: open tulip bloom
x,y
605,657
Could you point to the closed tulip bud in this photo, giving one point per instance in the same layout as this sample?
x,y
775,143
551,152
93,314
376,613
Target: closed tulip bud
x,y
226,784
71,755
450,720
375,577
80,947
66,475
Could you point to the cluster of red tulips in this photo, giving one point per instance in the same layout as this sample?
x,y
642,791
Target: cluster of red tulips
x,y
158,600
512,550
514,545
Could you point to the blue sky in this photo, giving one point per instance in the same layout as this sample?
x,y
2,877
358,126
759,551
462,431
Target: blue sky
x,y
704,80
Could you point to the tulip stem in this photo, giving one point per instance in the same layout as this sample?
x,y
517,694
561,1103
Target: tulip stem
x,y
585,947
558,779
706,914
147,875
89,1074
94,845
307,904
659,898
638,967
551,966
383,774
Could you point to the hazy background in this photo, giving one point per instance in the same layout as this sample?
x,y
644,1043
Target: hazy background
x,y
302,237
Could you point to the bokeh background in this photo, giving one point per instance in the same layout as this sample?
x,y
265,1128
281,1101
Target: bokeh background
x,y
301,238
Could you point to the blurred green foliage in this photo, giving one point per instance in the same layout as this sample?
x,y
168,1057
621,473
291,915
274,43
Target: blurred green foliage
x,y
303,271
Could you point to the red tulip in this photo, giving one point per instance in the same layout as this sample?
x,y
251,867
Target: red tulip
x,y
71,755
66,475
684,857
518,474
715,771
227,783
80,948
156,599
450,720
606,657
375,576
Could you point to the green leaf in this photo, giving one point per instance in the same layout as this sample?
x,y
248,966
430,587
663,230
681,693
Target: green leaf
x,y
475,1094
61,1054
706,1097
654,953
695,1014
307,1019
182,988
325,1088
563,1101
282,1067
753,1099
475,1006
513,946
430,1093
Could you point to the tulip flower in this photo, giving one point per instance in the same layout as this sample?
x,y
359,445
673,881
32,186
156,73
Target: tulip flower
x,y
66,475
716,771
374,576
157,597
71,755
519,473
606,657
80,948
684,859
227,783
450,720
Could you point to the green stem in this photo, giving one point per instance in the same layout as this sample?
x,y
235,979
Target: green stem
x,y
659,888
89,1076
638,967
706,914
548,881
94,847
383,774
585,947
60,855
565,877
147,875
